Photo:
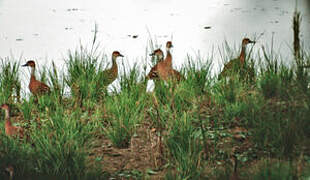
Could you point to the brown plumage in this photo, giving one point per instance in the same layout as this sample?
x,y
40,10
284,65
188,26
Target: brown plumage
x,y
157,55
177,75
36,87
235,65
111,74
11,130
163,69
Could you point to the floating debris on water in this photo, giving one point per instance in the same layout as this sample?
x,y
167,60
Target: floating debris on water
x,y
133,36
274,22
72,9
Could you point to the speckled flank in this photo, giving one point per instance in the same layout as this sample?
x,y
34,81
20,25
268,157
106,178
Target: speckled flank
x,y
111,74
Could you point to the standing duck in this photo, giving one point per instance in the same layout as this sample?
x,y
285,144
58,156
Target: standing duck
x,y
11,130
158,53
163,69
111,74
36,87
235,65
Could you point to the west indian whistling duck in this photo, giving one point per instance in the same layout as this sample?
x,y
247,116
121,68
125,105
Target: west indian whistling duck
x,y
36,87
235,65
158,53
111,74
163,69
11,130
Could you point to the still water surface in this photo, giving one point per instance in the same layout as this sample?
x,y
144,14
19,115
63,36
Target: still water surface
x,y
46,30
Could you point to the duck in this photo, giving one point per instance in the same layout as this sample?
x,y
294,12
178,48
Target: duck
x,y
36,87
163,69
159,55
235,65
111,74
10,130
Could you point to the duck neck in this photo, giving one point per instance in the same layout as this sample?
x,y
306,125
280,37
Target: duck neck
x,y
242,54
7,114
169,57
7,118
114,64
8,123
32,74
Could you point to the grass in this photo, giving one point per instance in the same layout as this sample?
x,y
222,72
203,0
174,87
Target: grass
x,y
186,130
10,85
122,121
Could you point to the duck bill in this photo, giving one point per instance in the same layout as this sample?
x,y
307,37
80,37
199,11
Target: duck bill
x,y
252,42
25,65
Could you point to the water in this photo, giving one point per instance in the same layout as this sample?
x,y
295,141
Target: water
x,y
45,30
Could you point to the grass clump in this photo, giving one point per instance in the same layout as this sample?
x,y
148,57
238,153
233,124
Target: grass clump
x,y
84,77
184,146
182,130
125,110
62,146
10,86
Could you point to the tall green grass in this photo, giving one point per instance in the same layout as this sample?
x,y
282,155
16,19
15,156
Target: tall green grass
x,y
125,109
10,86
84,76
61,144
193,119
184,146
